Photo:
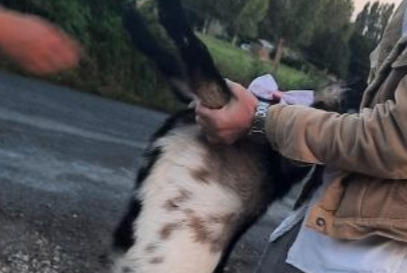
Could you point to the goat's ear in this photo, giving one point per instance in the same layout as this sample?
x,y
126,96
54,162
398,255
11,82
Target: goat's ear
x,y
167,63
205,80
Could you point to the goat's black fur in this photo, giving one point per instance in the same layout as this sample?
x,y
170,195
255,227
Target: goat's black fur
x,y
145,41
200,66
123,235
198,74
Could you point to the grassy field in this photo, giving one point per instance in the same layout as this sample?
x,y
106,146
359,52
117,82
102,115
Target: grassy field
x,y
241,66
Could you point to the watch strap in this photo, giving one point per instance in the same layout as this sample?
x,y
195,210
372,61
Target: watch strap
x,y
259,120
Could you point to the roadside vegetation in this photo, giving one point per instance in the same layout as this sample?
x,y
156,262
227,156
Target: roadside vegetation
x,y
243,67
312,40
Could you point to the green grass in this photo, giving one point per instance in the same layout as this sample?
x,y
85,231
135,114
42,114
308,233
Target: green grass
x,y
241,66
232,62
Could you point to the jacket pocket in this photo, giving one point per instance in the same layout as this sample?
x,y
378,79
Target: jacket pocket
x,y
368,198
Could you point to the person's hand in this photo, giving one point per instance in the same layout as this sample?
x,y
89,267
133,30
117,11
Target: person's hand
x,y
35,44
228,124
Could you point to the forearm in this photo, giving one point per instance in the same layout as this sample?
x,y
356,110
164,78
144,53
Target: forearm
x,y
3,20
373,142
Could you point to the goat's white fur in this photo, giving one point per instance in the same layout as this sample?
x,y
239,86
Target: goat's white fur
x,y
181,252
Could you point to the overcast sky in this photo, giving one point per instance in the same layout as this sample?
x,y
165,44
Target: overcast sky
x,y
359,4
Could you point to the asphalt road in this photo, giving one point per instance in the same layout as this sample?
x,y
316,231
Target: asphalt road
x,y
67,165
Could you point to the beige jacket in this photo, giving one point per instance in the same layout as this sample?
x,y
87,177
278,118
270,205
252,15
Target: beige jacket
x,y
370,197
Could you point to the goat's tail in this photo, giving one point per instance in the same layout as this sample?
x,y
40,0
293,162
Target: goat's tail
x,y
330,98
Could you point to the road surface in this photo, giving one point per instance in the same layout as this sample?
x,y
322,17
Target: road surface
x,y
67,165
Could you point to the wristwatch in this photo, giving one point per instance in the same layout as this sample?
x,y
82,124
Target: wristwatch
x,y
259,120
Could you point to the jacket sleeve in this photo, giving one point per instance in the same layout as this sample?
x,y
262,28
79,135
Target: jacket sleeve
x,y
373,142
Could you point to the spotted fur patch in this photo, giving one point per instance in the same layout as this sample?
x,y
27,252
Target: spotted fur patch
x,y
201,175
167,230
176,202
151,248
157,260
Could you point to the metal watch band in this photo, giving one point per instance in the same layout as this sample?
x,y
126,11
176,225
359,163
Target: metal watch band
x,y
259,120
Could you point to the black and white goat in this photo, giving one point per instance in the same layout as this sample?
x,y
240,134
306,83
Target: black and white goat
x,y
193,199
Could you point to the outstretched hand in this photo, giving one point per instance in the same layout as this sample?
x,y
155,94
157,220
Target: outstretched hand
x,y
231,122
35,44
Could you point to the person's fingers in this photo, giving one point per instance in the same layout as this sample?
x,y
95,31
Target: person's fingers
x,y
41,62
227,124
59,52
203,111
40,47
64,56
231,84
235,88
58,59
67,49
277,95
34,60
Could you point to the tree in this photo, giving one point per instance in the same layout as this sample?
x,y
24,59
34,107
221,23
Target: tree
x,y
329,48
372,20
224,11
330,52
369,27
246,23
291,22
335,15
239,17
203,8
358,69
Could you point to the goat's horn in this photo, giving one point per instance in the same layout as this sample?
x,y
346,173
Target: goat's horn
x,y
205,80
